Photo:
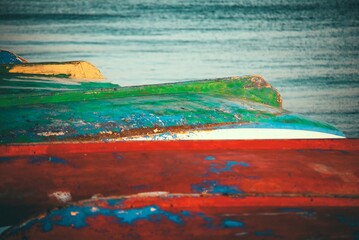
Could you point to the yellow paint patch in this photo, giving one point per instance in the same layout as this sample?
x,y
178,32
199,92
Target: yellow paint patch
x,y
80,70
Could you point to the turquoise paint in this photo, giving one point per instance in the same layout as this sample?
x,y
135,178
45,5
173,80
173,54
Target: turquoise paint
x,y
89,119
35,159
227,223
214,168
6,159
132,215
265,233
76,216
348,221
117,156
207,219
210,158
185,213
115,202
306,213
7,57
41,159
213,186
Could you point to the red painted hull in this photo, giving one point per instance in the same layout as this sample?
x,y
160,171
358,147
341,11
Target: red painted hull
x,y
196,217
275,172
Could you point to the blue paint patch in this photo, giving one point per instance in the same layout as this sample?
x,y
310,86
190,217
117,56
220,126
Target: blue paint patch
x,y
46,226
300,211
115,202
348,221
232,224
210,158
292,210
57,160
205,218
75,216
117,156
265,233
185,213
7,159
228,167
213,186
43,159
132,215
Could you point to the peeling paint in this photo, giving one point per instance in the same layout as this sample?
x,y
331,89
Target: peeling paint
x,y
43,159
63,197
213,186
227,223
265,233
48,134
214,168
210,158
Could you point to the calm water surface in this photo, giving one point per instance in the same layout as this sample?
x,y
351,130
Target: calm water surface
x,y
307,49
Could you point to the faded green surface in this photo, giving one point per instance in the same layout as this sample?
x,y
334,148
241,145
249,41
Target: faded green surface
x,y
101,120
12,87
104,111
249,88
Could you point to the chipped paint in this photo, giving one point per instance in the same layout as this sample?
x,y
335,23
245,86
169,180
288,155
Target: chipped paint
x,y
227,108
209,158
61,196
265,233
51,159
227,223
84,168
138,118
171,217
48,134
215,168
213,186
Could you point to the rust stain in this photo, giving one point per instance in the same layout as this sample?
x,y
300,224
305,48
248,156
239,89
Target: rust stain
x,y
141,132
327,170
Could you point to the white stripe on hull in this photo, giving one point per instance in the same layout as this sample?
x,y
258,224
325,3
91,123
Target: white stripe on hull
x,y
239,133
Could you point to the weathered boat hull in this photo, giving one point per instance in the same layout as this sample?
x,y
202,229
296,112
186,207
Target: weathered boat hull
x,y
229,108
12,65
63,142
77,70
184,216
42,176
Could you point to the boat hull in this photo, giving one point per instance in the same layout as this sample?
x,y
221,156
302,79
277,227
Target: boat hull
x,y
181,216
38,177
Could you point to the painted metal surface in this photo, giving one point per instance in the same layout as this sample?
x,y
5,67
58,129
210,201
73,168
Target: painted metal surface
x,y
12,65
194,216
188,110
80,70
7,57
42,176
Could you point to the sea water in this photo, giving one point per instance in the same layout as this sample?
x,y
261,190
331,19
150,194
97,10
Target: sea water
x,y
307,49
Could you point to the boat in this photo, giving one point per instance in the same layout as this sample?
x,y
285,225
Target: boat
x,y
216,158
13,65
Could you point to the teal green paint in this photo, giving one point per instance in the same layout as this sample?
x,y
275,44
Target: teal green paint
x,y
14,87
74,111
28,123
242,88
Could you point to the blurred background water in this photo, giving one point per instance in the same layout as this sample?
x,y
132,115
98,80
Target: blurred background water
x,y
307,49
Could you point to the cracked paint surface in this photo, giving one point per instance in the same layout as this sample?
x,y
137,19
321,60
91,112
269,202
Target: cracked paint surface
x,y
169,216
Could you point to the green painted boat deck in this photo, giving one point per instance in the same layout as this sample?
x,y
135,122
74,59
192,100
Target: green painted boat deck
x,y
103,111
